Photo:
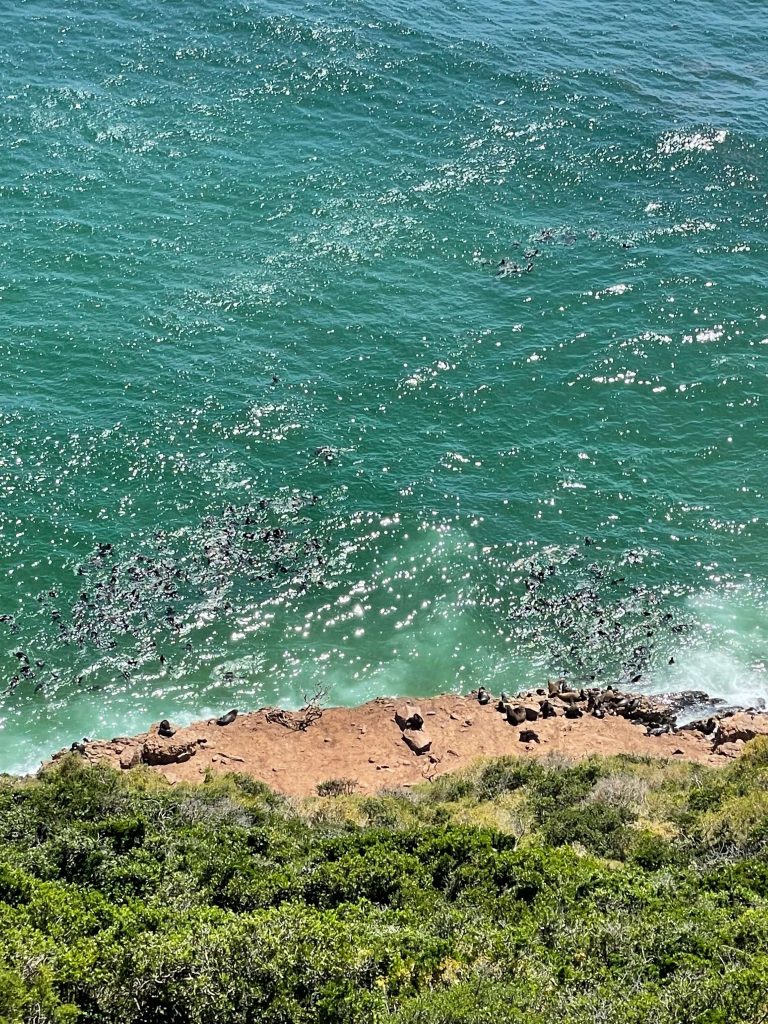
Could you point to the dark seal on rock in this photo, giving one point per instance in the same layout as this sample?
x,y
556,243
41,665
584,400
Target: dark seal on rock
x,y
529,736
227,719
483,697
409,717
166,729
516,715
706,726
573,712
547,709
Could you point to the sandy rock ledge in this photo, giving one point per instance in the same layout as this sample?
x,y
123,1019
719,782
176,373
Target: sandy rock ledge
x,y
390,743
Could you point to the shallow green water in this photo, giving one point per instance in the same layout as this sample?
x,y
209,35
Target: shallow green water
x,y
196,199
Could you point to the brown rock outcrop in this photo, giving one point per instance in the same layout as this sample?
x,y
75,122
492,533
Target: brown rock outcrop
x,y
131,757
743,725
159,750
417,740
364,742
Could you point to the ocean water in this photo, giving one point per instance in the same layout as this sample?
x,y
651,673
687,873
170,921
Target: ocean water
x,y
377,348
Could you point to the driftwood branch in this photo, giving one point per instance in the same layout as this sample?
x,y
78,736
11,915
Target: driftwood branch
x,y
300,720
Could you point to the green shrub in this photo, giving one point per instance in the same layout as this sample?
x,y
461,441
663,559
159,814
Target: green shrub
x,y
653,852
124,901
598,827
560,787
505,775
385,877
458,857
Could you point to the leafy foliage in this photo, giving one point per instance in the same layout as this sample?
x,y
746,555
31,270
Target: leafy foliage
x,y
615,890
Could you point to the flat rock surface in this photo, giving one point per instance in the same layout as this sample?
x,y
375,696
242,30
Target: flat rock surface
x,y
365,744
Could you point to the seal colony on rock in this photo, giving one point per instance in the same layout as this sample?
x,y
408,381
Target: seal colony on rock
x,y
387,743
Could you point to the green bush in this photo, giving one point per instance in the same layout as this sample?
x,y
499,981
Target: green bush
x,y
384,877
505,775
124,901
598,827
653,852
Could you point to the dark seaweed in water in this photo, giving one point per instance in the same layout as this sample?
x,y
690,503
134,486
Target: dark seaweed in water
x,y
142,606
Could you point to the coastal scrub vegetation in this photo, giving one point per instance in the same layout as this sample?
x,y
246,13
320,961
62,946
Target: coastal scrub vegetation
x,y
617,891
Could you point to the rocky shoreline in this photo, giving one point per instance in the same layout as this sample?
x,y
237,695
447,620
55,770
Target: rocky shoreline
x,y
388,743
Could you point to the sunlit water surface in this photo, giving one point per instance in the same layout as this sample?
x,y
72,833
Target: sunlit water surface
x,y
273,418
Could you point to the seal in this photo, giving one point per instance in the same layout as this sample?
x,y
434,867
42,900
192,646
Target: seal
x,y
166,729
516,715
227,719
569,696
660,730
483,697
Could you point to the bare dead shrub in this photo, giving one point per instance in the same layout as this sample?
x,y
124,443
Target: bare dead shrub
x,y
300,721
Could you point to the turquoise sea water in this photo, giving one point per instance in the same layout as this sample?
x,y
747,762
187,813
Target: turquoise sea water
x,y
272,420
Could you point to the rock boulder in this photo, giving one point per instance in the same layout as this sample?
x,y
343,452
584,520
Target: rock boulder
x,y
158,750
744,725
417,740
